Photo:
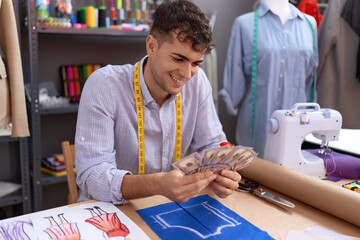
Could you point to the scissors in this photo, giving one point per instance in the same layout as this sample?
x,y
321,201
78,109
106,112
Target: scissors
x,y
253,187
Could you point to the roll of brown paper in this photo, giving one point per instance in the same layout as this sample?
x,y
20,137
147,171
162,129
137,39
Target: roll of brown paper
x,y
321,194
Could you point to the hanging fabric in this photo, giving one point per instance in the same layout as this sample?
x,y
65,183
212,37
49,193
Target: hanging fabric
x,y
12,94
350,13
310,7
337,86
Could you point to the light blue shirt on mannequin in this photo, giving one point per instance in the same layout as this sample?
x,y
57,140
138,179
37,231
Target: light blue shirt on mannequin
x,y
286,69
106,140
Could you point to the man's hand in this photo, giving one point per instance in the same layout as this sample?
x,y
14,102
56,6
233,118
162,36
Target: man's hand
x,y
179,187
225,183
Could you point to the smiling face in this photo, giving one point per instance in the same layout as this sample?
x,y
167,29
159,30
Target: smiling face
x,y
170,65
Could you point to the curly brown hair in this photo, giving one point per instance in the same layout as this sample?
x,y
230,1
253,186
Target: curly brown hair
x,y
191,24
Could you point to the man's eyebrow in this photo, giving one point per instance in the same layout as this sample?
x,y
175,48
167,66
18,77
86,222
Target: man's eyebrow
x,y
187,59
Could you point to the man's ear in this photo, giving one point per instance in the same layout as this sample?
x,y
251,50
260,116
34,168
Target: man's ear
x,y
151,45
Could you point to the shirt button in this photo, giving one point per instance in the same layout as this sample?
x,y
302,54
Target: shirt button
x,y
279,89
166,135
82,139
161,110
280,75
153,103
282,60
284,47
277,104
165,159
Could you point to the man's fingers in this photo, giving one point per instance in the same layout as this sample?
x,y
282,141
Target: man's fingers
x,y
219,190
235,176
206,176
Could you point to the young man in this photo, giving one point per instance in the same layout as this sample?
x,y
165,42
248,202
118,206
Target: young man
x,y
127,138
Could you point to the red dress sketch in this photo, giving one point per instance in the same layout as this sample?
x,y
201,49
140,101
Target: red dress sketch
x,y
107,222
63,231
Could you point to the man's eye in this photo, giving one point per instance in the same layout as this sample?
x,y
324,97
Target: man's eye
x,y
177,59
196,64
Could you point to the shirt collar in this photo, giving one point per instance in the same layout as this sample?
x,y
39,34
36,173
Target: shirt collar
x,y
146,96
264,9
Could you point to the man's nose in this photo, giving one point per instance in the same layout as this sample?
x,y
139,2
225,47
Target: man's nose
x,y
187,71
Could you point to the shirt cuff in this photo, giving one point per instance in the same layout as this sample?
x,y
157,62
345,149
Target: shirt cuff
x,y
116,194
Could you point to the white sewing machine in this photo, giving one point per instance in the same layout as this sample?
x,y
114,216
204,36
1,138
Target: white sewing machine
x,y
287,130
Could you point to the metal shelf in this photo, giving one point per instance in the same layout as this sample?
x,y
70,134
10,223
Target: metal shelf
x,y
64,108
4,139
12,199
47,179
22,195
33,35
88,31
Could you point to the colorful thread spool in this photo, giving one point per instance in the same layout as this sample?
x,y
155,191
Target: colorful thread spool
x,y
90,17
102,17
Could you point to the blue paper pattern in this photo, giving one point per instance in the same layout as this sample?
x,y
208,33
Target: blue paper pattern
x,y
201,217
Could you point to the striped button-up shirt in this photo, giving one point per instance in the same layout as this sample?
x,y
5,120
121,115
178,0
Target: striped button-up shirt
x,y
106,138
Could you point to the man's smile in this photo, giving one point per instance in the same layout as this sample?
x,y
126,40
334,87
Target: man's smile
x,y
177,80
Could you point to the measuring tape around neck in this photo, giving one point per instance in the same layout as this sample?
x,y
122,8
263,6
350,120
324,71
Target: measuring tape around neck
x,y
140,119
254,66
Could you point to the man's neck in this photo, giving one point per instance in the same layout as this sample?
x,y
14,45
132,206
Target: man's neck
x,y
158,98
279,7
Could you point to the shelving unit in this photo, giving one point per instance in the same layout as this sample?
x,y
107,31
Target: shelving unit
x,y
14,163
48,49
19,156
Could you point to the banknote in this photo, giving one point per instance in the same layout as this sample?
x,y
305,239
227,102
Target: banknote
x,y
189,164
217,159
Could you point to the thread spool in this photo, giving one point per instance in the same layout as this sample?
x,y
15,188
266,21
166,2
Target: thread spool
x,y
102,17
138,15
112,13
152,6
143,5
127,5
107,20
118,4
136,5
122,14
81,15
146,15
96,14
90,17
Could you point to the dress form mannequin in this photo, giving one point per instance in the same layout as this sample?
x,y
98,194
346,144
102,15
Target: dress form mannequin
x,y
279,7
285,68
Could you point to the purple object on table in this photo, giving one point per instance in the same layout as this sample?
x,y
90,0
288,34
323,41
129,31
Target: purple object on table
x,y
338,165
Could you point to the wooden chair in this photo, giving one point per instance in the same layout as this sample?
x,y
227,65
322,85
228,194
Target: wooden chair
x,y
69,157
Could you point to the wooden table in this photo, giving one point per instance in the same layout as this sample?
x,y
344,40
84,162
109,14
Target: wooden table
x,y
266,216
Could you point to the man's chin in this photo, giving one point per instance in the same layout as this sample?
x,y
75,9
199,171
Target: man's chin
x,y
175,91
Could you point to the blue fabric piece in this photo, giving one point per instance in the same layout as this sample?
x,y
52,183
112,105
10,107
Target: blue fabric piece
x,y
286,70
201,217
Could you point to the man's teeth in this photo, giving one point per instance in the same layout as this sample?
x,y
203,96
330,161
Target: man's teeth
x,y
177,80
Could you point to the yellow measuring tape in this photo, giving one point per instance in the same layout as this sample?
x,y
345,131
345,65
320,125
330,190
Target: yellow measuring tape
x,y
140,118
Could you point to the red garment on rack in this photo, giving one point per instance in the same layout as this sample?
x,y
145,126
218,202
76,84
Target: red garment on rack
x,y
311,7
